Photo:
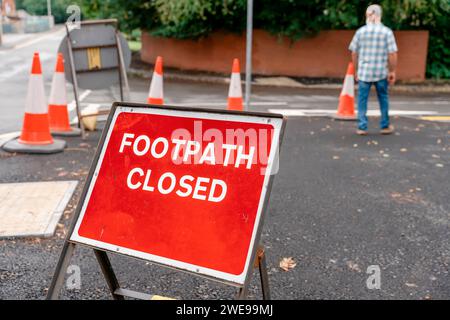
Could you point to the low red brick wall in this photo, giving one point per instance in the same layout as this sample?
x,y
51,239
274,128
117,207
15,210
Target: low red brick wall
x,y
325,55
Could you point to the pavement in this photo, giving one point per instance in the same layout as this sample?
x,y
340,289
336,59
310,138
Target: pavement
x,y
339,204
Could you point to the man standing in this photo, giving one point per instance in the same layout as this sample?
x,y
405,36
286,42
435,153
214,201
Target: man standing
x,y
374,55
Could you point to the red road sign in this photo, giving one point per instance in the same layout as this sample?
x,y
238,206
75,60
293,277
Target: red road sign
x,y
182,188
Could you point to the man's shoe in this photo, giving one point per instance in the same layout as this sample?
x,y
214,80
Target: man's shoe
x,y
361,132
387,130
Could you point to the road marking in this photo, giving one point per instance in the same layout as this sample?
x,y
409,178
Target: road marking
x,y
5,137
437,118
72,105
35,40
224,104
402,112
22,67
434,102
327,112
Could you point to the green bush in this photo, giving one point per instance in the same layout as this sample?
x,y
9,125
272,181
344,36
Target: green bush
x,y
39,7
191,19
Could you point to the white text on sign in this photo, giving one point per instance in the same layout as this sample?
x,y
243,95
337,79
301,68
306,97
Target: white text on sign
x,y
200,188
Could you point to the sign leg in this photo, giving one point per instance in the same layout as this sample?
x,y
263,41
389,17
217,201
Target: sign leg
x,y
58,278
260,263
264,277
242,294
108,272
122,68
75,83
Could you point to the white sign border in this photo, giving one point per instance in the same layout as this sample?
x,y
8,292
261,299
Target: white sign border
x,y
239,280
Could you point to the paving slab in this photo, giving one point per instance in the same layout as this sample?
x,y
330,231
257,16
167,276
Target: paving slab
x,y
32,209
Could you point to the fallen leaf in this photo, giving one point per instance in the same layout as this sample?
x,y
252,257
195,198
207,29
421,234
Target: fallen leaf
x,y
406,197
287,263
411,285
353,266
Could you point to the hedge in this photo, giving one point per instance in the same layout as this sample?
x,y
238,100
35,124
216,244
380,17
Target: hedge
x,y
191,19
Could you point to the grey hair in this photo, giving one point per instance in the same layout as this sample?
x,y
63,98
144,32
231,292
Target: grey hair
x,y
374,9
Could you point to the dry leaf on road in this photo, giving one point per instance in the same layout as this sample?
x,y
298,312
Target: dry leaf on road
x,y
353,266
287,263
411,285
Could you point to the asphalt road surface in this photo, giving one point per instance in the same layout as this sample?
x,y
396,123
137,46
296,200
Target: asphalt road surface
x,y
340,203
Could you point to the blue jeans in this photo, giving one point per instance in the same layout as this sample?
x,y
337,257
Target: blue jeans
x,y
383,100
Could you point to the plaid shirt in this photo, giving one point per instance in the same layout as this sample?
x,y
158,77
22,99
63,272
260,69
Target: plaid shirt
x,y
372,43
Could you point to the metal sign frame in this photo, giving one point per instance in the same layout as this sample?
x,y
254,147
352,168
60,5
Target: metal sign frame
x,y
257,255
121,69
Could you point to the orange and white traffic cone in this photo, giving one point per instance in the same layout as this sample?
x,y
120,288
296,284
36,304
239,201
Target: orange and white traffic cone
x,y
346,108
155,94
57,104
235,90
35,136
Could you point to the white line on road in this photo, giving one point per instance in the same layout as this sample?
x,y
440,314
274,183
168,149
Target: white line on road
x,y
37,39
224,104
72,105
327,112
5,137
16,69
435,102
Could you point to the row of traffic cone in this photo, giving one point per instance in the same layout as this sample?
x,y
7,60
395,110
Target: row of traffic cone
x,y
41,120
346,108
156,95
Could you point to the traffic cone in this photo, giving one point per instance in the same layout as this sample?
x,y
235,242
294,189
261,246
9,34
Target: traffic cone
x,y
346,108
57,104
35,136
155,94
235,90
